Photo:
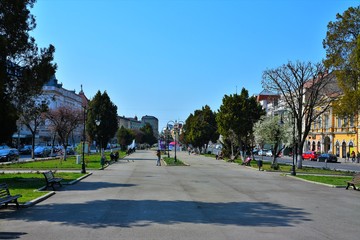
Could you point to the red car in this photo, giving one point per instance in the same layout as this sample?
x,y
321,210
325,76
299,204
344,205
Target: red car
x,y
310,155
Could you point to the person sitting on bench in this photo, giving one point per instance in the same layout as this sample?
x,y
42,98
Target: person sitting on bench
x,y
247,161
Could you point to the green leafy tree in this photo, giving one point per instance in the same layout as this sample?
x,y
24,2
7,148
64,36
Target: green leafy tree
x,y
274,131
342,45
236,118
102,111
124,137
138,135
201,127
148,136
24,68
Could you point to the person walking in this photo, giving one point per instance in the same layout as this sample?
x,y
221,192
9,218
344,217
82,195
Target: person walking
x,y
353,156
158,154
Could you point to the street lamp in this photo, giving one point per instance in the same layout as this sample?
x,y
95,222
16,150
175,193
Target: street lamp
x,y
83,170
176,129
293,171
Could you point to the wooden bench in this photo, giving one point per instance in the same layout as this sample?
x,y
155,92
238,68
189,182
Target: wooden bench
x,y
51,180
6,197
354,181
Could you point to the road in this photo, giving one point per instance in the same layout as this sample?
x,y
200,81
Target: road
x,y
341,165
210,199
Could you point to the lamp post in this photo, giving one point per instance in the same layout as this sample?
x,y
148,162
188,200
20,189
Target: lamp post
x,y
177,128
102,159
83,170
167,140
168,132
293,171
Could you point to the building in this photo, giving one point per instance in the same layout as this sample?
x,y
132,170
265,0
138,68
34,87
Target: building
x,y
134,123
56,96
329,133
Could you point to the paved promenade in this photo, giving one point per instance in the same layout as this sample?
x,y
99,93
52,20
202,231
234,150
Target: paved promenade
x,y
209,199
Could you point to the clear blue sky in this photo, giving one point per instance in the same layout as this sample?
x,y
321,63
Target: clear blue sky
x,y
170,58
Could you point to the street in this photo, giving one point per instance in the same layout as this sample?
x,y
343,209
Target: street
x,y
341,165
210,199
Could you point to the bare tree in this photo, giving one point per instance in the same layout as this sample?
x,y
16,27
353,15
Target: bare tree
x,y
32,116
64,120
308,91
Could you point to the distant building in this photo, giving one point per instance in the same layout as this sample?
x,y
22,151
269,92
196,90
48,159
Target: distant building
x,y
134,123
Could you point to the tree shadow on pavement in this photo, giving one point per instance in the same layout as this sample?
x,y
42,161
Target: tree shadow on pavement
x,y
130,213
91,186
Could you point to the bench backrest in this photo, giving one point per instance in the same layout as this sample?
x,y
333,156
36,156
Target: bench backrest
x,y
4,190
49,175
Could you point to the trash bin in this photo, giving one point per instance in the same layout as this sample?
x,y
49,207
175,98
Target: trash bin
x,y
78,159
259,163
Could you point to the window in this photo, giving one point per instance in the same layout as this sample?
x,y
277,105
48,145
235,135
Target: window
x,y
352,121
339,122
326,121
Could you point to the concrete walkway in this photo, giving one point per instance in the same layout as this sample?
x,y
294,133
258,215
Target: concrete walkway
x,y
209,199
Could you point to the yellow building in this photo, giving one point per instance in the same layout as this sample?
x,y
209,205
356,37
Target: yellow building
x,y
332,134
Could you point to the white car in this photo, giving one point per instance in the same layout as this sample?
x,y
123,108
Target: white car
x,y
269,153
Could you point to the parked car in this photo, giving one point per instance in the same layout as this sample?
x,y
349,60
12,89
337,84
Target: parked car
x,y
268,153
310,155
262,152
9,154
328,157
70,151
4,146
42,151
26,150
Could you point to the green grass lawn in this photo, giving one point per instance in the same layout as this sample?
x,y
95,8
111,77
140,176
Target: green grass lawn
x,y
26,184
332,180
92,161
171,161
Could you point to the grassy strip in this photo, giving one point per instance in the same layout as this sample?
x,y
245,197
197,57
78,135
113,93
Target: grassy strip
x,y
171,161
26,183
331,180
92,161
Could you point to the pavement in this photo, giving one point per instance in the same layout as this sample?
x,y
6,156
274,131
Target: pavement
x,y
209,199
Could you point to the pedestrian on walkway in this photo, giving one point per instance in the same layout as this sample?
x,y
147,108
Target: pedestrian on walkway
x,y
358,157
353,156
158,154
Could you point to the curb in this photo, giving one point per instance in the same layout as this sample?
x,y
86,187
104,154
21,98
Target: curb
x,y
37,200
318,183
49,194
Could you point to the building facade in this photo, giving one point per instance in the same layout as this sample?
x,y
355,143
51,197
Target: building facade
x,y
56,96
134,123
329,133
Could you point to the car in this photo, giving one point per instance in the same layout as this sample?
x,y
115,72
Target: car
x,y
268,153
42,151
310,155
328,157
262,152
9,154
4,146
25,150
70,151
